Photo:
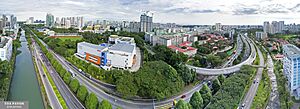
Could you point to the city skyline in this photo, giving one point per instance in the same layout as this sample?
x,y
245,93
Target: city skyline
x,y
178,11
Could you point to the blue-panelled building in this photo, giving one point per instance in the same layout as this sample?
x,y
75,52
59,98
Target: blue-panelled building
x,y
291,68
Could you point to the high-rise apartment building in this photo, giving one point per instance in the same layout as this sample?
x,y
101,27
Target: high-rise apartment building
x,y
291,68
146,22
49,20
218,27
267,27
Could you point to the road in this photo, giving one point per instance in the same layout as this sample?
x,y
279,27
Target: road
x,y
227,70
70,99
248,99
238,52
52,98
127,104
274,102
98,89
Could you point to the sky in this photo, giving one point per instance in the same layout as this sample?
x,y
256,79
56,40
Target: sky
x,y
192,12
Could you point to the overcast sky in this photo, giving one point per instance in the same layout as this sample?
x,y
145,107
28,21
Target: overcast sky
x,y
177,11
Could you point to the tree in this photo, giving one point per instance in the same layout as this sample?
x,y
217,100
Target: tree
x,y
74,85
187,75
216,85
82,93
221,78
214,60
157,79
205,89
105,105
91,101
182,105
67,78
126,86
206,98
196,101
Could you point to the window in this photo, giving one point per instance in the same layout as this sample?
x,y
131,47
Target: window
x,y
2,53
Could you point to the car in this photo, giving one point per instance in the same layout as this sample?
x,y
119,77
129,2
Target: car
x,y
243,105
183,96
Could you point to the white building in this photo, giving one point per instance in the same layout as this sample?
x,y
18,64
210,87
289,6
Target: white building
x,y
261,35
5,48
122,55
114,39
267,27
291,68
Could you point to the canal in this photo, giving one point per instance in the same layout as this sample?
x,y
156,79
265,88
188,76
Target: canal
x,y
24,85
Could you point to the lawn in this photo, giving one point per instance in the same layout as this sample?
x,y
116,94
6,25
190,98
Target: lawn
x,y
286,37
72,38
60,98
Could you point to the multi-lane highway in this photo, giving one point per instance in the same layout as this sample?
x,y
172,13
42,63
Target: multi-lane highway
x,y
70,99
238,52
52,98
98,89
228,70
248,99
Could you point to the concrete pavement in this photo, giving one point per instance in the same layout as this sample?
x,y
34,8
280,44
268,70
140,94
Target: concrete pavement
x,y
227,70
274,102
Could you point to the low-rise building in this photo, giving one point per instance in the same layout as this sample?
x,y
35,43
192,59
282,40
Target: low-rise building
x,y
184,48
93,53
291,68
114,39
5,48
122,55
118,55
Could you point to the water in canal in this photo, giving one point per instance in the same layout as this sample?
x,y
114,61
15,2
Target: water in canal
x,y
24,85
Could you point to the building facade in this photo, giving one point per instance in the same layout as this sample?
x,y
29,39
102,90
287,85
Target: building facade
x,y
291,68
5,48
261,35
146,22
49,20
121,54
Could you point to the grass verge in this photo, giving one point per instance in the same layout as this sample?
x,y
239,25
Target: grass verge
x,y
60,98
263,92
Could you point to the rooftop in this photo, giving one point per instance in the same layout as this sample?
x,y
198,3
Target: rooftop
x,y
291,50
3,42
122,47
99,47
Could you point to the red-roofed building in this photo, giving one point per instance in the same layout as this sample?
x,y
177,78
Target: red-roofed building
x,y
184,48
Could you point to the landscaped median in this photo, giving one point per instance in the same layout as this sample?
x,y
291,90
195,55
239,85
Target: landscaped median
x,y
263,92
60,98
232,90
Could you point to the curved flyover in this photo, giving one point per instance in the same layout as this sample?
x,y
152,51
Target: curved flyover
x,y
227,70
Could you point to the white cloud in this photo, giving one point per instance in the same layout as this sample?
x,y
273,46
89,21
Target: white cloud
x,y
178,11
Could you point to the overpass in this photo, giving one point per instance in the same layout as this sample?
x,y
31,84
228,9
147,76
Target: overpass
x,y
227,70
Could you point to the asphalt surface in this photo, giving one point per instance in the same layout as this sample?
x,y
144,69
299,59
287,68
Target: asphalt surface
x,y
98,89
70,99
248,99
227,70
52,98
238,52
